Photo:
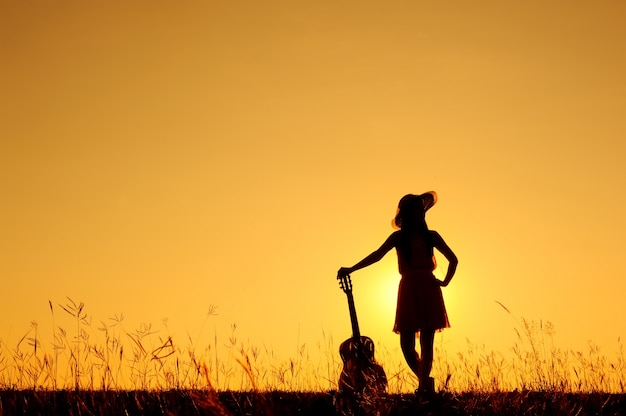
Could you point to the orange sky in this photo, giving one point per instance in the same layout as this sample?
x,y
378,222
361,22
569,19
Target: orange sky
x,y
159,157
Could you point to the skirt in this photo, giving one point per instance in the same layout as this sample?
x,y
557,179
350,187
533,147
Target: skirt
x,y
420,304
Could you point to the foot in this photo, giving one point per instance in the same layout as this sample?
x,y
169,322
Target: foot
x,y
426,386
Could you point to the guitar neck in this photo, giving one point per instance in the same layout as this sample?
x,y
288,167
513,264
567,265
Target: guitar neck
x,y
355,323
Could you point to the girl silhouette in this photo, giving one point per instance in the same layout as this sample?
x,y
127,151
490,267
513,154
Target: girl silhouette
x,y
420,309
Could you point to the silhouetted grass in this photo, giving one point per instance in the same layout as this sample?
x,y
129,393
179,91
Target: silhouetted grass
x,y
111,370
280,403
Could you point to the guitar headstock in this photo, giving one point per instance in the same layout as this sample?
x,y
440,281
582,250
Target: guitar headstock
x,y
345,283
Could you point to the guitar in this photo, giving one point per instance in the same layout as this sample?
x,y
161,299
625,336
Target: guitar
x,y
361,375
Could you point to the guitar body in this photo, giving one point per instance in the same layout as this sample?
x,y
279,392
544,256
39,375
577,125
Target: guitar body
x,y
361,373
363,382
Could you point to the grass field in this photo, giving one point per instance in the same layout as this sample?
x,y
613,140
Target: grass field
x,y
110,370
194,402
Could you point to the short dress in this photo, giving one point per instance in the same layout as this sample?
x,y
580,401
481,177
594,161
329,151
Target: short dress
x,y
420,301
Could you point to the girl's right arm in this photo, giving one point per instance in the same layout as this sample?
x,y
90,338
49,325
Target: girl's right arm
x,y
447,252
371,258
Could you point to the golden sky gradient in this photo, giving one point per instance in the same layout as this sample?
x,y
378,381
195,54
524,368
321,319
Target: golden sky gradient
x,y
160,157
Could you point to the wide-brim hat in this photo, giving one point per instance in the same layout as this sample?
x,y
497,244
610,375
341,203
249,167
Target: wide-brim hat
x,y
428,199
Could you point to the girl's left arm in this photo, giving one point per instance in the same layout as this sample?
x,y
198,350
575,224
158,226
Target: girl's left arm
x,y
371,258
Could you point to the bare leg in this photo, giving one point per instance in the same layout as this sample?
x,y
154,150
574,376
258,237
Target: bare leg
x,y
427,341
407,343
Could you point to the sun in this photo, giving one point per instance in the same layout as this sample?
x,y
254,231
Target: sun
x,y
376,293
386,289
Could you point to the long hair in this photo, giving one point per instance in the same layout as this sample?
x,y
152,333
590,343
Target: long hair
x,y
411,224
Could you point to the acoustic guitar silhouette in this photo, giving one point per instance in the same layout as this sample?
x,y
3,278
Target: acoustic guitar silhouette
x,y
362,378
